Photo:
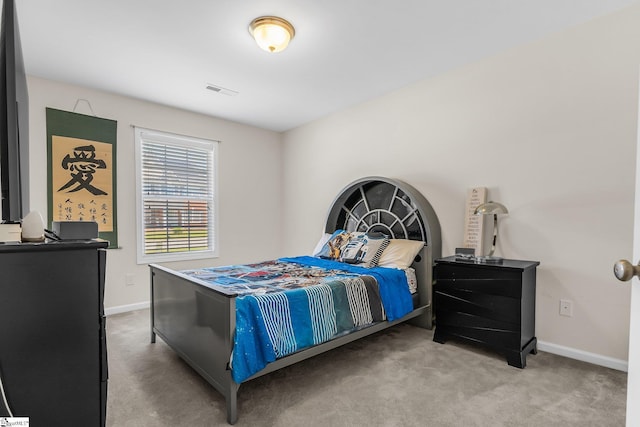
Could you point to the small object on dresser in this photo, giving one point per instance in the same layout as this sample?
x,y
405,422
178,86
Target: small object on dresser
x,y
465,254
10,233
33,227
75,230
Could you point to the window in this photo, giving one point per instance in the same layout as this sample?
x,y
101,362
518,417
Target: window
x,y
176,196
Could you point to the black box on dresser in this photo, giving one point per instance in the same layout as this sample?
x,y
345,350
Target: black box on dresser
x,y
489,304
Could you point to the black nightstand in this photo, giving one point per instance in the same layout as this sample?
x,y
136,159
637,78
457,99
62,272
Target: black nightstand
x,y
491,304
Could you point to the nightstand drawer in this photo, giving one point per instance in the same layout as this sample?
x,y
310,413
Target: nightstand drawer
x,y
478,304
493,337
506,283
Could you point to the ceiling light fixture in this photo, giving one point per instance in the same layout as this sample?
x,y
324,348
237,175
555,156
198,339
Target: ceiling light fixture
x,y
272,34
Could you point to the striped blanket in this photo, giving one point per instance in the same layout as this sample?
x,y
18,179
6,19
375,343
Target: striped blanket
x,y
290,304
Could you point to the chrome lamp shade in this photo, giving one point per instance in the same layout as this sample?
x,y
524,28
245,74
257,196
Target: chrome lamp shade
x,y
495,209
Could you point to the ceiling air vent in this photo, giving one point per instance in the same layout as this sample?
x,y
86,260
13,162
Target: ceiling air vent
x,y
221,90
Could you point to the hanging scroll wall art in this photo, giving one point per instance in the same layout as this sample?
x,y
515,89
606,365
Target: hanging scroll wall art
x,y
81,176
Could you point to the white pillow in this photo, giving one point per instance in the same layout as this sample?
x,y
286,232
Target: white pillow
x,y
400,253
324,239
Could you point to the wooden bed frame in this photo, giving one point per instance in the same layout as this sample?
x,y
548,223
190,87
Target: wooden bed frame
x,y
198,321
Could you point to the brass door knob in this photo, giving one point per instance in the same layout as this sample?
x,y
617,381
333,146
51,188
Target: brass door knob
x,y
624,270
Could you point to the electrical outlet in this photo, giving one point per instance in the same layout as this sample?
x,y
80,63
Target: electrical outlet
x,y
566,307
129,279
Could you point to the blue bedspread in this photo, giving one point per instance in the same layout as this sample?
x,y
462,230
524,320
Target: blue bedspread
x,y
318,300
394,292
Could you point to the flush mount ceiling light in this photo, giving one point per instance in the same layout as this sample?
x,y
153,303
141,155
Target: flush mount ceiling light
x,y
272,34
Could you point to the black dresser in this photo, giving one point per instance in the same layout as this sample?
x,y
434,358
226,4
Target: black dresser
x,y
490,304
53,354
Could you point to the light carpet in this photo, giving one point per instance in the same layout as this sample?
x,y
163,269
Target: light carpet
x,y
397,377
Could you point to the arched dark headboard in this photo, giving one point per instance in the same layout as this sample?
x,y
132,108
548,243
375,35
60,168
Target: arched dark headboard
x,y
396,209
387,205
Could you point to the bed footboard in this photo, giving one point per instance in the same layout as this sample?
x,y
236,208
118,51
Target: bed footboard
x,y
198,323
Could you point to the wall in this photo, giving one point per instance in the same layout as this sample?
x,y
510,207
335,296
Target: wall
x,y
549,129
249,179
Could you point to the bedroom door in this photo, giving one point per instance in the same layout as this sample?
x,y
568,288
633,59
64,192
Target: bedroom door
x,y
624,271
633,378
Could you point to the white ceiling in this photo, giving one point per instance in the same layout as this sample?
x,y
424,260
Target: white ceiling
x,y
345,51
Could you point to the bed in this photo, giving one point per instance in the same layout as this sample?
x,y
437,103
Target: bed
x,y
197,317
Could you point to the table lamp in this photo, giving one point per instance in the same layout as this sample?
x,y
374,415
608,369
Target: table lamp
x,y
495,209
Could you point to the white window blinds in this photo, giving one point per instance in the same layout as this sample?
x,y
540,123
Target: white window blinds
x,y
176,196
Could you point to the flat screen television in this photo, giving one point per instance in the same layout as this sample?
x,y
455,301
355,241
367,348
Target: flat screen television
x,y
14,120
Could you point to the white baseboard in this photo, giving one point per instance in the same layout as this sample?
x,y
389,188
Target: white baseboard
x,y
125,308
584,356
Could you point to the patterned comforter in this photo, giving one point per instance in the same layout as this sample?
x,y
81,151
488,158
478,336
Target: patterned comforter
x,y
289,304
